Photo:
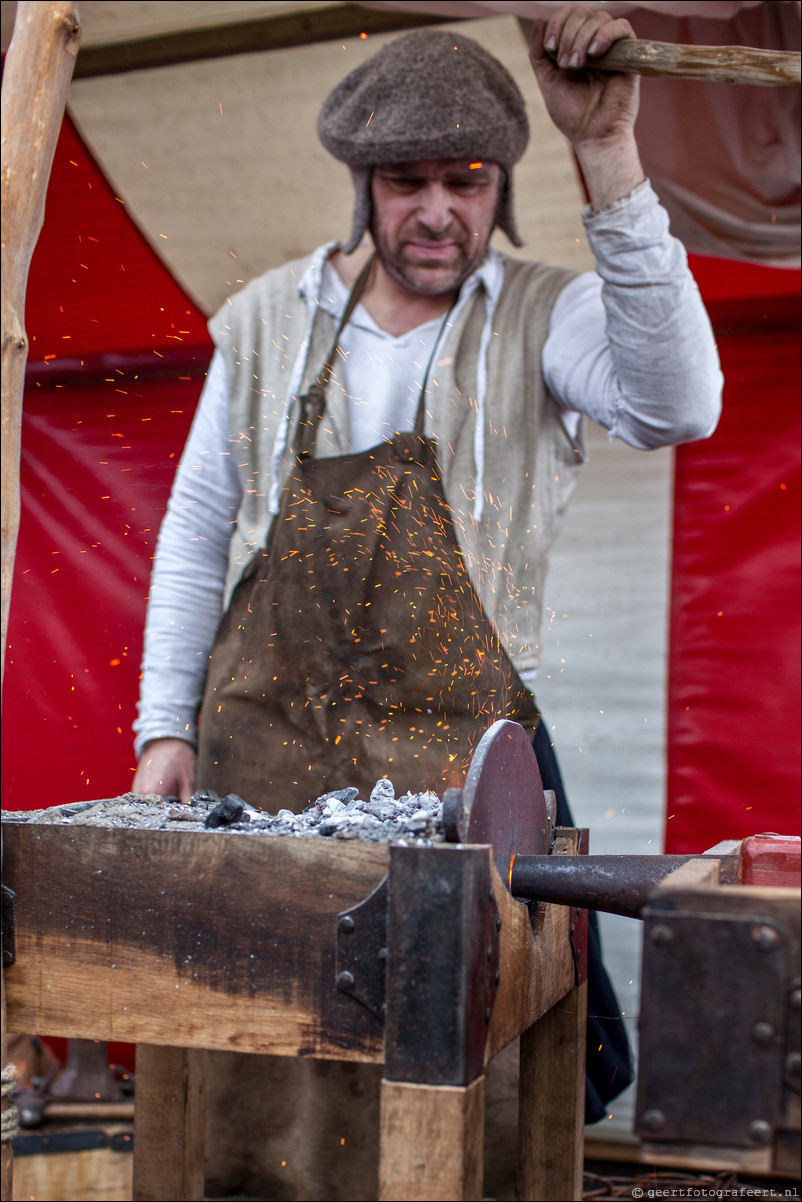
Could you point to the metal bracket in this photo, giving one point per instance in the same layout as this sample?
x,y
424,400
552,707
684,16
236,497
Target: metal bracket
x,y
361,951
72,1141
7,899
712,1037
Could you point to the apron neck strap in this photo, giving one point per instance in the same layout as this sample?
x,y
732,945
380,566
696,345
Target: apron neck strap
x,y
353,300
312,404
419,416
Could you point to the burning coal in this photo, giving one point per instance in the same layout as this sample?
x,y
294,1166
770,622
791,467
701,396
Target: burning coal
x,y
414,818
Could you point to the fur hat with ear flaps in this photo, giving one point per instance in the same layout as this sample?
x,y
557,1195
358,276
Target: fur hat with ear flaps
x,y
428,95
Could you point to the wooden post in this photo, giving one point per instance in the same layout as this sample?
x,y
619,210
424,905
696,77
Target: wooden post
x,y
432,1140
442,957
552,1102
169,1124
38,69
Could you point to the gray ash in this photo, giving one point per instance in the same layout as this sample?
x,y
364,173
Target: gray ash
x,y
414,818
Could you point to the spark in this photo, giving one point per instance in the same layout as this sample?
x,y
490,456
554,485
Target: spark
x,y
370,118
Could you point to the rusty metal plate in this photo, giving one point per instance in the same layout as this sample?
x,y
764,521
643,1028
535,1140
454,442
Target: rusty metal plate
x,y
711,1029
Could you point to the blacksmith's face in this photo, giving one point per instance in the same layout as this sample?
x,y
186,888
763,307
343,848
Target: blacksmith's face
x,y
432,221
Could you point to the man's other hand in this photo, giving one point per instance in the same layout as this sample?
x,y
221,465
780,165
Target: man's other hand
x,y
596,110
167,767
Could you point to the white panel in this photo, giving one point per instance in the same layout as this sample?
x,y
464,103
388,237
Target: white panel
x,y
602,688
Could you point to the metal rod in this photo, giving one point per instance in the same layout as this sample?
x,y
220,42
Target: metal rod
x,y
613,884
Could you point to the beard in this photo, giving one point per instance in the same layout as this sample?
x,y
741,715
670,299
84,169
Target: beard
x,y
453,256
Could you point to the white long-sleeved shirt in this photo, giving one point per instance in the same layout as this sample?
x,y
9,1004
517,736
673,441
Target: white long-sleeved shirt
x,y
629,346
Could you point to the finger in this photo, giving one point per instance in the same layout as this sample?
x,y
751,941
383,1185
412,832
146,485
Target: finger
x,y
554,27
538,56
585,34
574,32
609,32
187,789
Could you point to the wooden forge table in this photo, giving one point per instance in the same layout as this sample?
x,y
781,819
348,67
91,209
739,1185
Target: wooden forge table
x,y
415,958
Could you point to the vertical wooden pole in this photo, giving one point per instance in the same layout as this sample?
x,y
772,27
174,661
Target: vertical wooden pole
x,y
36,78
169,1124
432,1142
552,1102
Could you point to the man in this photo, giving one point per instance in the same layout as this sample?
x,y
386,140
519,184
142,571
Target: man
x,y
386,442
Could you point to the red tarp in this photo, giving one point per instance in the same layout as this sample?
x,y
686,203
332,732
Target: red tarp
x,y
733,688
118,353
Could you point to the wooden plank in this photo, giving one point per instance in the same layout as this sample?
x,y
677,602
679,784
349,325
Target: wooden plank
x,y
195,939
552,1102
536,962
169,1124
431,1142
704,1157
693,874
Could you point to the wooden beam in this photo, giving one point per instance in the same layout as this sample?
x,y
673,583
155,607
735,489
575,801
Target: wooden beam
x,y
247,37
187,938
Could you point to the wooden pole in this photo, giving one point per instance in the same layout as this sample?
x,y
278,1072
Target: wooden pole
x,y
720,64
37,75
38,69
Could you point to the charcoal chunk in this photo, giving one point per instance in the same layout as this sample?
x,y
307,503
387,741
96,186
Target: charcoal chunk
x,y
226,812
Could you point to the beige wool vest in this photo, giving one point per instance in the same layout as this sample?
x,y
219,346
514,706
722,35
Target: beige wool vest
x,y
530,464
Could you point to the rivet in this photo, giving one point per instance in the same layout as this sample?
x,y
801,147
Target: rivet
x,y
347,924
796,998
661,936
487,1014
345,980
498,924
489,954
653,1120
497,978
491,897
793,1063
766,938
759,1131
763,1034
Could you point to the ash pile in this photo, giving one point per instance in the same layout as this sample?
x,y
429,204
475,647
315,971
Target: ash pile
x,y
414,818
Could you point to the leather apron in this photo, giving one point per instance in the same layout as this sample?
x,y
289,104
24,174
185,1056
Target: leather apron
x,y
354,646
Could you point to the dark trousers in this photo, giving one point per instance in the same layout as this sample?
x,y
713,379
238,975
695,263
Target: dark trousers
x,y
609,1060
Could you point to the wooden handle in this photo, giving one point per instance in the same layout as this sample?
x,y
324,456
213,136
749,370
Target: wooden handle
x,y
721,64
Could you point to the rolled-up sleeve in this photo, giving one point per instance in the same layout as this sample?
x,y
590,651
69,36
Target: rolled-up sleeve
x,y
630,345
186,590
